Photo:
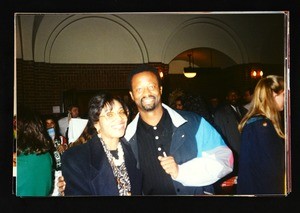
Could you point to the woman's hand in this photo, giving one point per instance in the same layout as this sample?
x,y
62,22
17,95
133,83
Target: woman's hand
x,y
61,184
14,159
61,148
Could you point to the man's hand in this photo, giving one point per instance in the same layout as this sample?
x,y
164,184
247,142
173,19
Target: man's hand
x,y
169,165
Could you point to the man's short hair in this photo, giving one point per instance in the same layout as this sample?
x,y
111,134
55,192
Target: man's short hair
x,y
143,68
71,106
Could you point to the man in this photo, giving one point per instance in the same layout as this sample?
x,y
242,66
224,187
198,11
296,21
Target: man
x,y
73,112
179,153
227,118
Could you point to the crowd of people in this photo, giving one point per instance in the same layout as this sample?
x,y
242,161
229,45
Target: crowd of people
x,y
186,148
38,148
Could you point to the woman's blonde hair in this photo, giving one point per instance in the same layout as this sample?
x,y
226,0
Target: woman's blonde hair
x,y
263,102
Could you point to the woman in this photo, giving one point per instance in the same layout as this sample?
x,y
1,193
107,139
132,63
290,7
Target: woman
x,y
262,154
60,142
105,164
34,161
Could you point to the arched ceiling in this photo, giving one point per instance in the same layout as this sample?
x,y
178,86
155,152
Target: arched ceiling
x,y
141,38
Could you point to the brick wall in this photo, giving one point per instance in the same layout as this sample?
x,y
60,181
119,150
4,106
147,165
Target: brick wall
x,y
41,85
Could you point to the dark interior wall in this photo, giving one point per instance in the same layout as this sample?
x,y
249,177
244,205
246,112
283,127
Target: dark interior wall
x,y
203,84
42,86
216,82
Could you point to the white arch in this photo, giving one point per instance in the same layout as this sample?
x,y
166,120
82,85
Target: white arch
x,y
204,32
102,52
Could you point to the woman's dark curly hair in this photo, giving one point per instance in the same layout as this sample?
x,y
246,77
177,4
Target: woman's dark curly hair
x,y
32,136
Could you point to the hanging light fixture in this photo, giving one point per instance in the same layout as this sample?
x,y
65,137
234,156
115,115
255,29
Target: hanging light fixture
x,y
189,72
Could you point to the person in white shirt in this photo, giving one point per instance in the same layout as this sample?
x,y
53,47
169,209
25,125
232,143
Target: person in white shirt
x,y
77,126
73,112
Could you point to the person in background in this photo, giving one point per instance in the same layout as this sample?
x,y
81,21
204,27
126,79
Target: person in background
x,y
34,160
73,112
262,154
180,100
226,120
178,152
179,103
213,104
60,144
196,104
176,99
59,141
247,97
78,131
105,164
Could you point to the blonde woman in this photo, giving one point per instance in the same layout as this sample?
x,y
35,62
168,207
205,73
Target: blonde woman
x,y
262,155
